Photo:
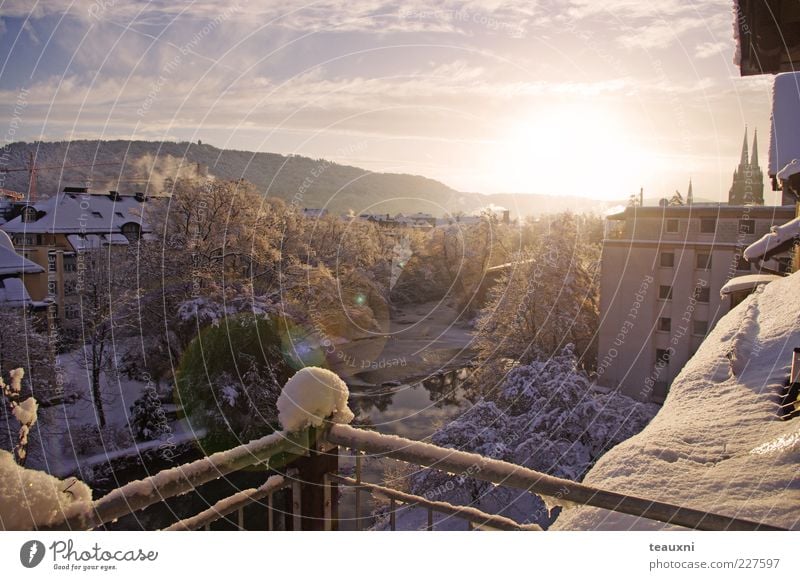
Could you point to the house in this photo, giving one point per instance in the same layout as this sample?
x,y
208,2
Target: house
x,y
53,232
662,271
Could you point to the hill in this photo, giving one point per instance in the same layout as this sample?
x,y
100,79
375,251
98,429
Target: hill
x,y
136,165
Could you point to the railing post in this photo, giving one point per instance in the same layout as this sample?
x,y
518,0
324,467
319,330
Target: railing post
x,y
318,504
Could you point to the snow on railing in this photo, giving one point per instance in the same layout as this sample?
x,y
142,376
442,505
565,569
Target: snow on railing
x,y
313,405
234,503
519,477
180,480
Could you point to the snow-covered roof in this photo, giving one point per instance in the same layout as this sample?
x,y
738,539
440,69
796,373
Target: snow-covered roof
x,y
748,282
13,263
94,241
81,213
778,236
13,292
717,444
784,138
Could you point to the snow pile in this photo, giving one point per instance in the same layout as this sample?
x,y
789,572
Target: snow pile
x,y
792,168
30,498
777,236
546,418
312,396
717,444
747,282
784,142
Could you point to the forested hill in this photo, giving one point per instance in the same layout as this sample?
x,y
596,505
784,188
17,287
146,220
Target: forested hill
x,y
313,182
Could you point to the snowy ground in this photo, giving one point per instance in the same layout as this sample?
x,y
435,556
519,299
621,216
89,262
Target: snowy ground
x,y
717,444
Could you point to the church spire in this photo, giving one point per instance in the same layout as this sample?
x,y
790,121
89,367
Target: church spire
x,y
689,196
754,157
743,162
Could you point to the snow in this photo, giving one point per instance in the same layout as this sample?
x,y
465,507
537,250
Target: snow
x,y
25,412
310,397
717,444
747,282
13,292
230,504
546,418
784,142
792,168
777,236
29,498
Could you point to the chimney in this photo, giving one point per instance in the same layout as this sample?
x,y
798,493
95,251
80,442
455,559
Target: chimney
x,y
140,196
113,195
506,216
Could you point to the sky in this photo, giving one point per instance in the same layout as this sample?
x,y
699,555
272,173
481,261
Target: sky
x,y
580,97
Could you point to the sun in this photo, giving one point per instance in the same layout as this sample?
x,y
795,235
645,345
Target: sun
x,y
578,149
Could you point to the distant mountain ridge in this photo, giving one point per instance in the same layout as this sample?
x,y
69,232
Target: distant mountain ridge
x,y
305,181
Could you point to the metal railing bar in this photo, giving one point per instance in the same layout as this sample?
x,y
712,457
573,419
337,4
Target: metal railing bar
x,y
519,477
472,514
178,480
230,504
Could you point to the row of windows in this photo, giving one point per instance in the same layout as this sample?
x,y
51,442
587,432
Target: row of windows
x,y
702,261
699,327
709,226
700,294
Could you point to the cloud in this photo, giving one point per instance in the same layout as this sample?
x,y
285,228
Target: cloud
x,y
709,49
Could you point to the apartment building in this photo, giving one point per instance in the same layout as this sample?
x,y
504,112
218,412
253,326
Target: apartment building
x,y
52,233
661,274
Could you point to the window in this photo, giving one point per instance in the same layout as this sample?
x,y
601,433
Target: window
x,y
131,230
703,294
29,214
70,263
97,214
742,265
747,226
24,240
664,324
703,261
700,327
72,311
119,214
708,225
665,292
662,356
667,259
70,287
672,226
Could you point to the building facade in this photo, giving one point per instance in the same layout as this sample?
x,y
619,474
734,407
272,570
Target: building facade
x,y
661,275
52,233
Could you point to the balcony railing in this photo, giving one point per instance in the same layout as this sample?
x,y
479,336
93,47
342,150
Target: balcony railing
x,y
309,460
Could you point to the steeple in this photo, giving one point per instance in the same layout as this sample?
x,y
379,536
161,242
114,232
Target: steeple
x,y
748,179
689,196
743,162
754,157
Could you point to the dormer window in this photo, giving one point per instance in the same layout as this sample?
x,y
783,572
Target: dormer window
x,y
119,214
132,231
97,214
29,214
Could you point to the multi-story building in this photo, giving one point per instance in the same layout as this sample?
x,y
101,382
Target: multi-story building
x,y
53,232
662,271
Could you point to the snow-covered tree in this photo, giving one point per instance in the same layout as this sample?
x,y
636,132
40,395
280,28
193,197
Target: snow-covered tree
x,y
545,300
24,411
544,417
